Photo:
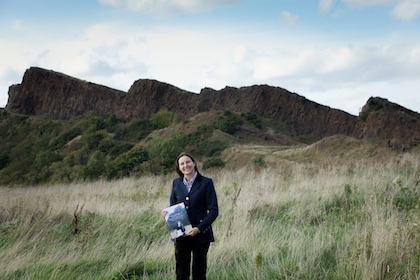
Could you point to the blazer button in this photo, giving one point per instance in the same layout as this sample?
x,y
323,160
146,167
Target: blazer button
x,y
187,198
186,207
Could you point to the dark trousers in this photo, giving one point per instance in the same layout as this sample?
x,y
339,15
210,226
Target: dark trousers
x,y
184,248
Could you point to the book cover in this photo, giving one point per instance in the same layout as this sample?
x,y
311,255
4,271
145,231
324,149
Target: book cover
x,y
177,220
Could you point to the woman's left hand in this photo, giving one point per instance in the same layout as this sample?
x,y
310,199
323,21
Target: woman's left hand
x,y
193,232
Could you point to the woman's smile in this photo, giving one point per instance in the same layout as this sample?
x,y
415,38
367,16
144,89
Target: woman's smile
x,y
186,165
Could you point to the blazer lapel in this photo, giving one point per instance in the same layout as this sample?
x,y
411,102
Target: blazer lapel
x,y
182,188
196,185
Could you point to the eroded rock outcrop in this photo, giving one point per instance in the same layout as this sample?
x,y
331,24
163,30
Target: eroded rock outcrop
x,y
44,91
382,119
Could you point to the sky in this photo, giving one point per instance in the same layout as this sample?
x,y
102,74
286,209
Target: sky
x,y
338,53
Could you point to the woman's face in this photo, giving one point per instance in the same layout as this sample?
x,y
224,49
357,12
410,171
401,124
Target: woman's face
x,y
186,166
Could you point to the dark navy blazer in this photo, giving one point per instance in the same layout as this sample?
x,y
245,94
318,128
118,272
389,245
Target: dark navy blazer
x,y
200,202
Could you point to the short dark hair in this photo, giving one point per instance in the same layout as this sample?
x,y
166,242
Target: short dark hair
x,y
177,163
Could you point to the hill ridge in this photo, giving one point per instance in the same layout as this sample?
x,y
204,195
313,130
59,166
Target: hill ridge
x,y
46,91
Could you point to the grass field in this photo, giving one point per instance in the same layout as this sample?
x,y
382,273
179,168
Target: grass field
x,y
301,220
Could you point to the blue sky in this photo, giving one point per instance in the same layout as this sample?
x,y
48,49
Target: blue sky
x,y
334,52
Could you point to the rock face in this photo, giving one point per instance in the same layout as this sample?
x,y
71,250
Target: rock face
x,y
297,114
43,91
381,119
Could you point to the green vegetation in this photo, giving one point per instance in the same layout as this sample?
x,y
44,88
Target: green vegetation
x,y
228,122
42,150
81,199
252,118
39,150
258,161
213,162
164,118
342,220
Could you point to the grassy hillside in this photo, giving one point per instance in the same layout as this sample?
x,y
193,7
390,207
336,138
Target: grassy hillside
x,y
346,218
40,149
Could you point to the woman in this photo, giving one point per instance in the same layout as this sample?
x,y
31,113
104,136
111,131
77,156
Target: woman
x,y
199,196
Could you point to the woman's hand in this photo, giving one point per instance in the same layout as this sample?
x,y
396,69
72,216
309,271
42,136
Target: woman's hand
x,y
193,232
163,213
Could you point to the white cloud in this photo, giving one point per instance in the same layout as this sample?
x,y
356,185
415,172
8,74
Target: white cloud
x,y
363,3
337,60
407,10
324,6
193,58
166,7
400,9
289,18
352,98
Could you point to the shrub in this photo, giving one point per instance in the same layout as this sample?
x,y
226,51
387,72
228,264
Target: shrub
x,y
406,199
211,148
91,140
164,118
213,162
63,138
252,118
4,160
124,164
94,122
114,147
46,158
228,122
258,161
94,167
134,130
225,126
111,124
202,132
164,151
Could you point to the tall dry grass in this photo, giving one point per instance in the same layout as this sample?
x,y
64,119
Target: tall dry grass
x,y
300,221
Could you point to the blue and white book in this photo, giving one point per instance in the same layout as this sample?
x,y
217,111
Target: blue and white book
x,y
177,220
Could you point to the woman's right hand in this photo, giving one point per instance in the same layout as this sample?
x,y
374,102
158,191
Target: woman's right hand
x,y
163,213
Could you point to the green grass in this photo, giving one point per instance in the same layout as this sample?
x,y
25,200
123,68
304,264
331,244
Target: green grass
x,y
344,220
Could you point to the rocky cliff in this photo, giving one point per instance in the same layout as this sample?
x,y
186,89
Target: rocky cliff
x,y
43,91
381,119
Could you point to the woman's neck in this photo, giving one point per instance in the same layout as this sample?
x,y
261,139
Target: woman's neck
x,y
188,178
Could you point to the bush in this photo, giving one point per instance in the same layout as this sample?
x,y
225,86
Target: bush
x,y
94,122
134,130
111,124
202,132
114,147
406,199
63,138
94,167
124,164
228,122
4,160
91,140
46,158
252,118
164,118
164,151
258,161
211,148
213,162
